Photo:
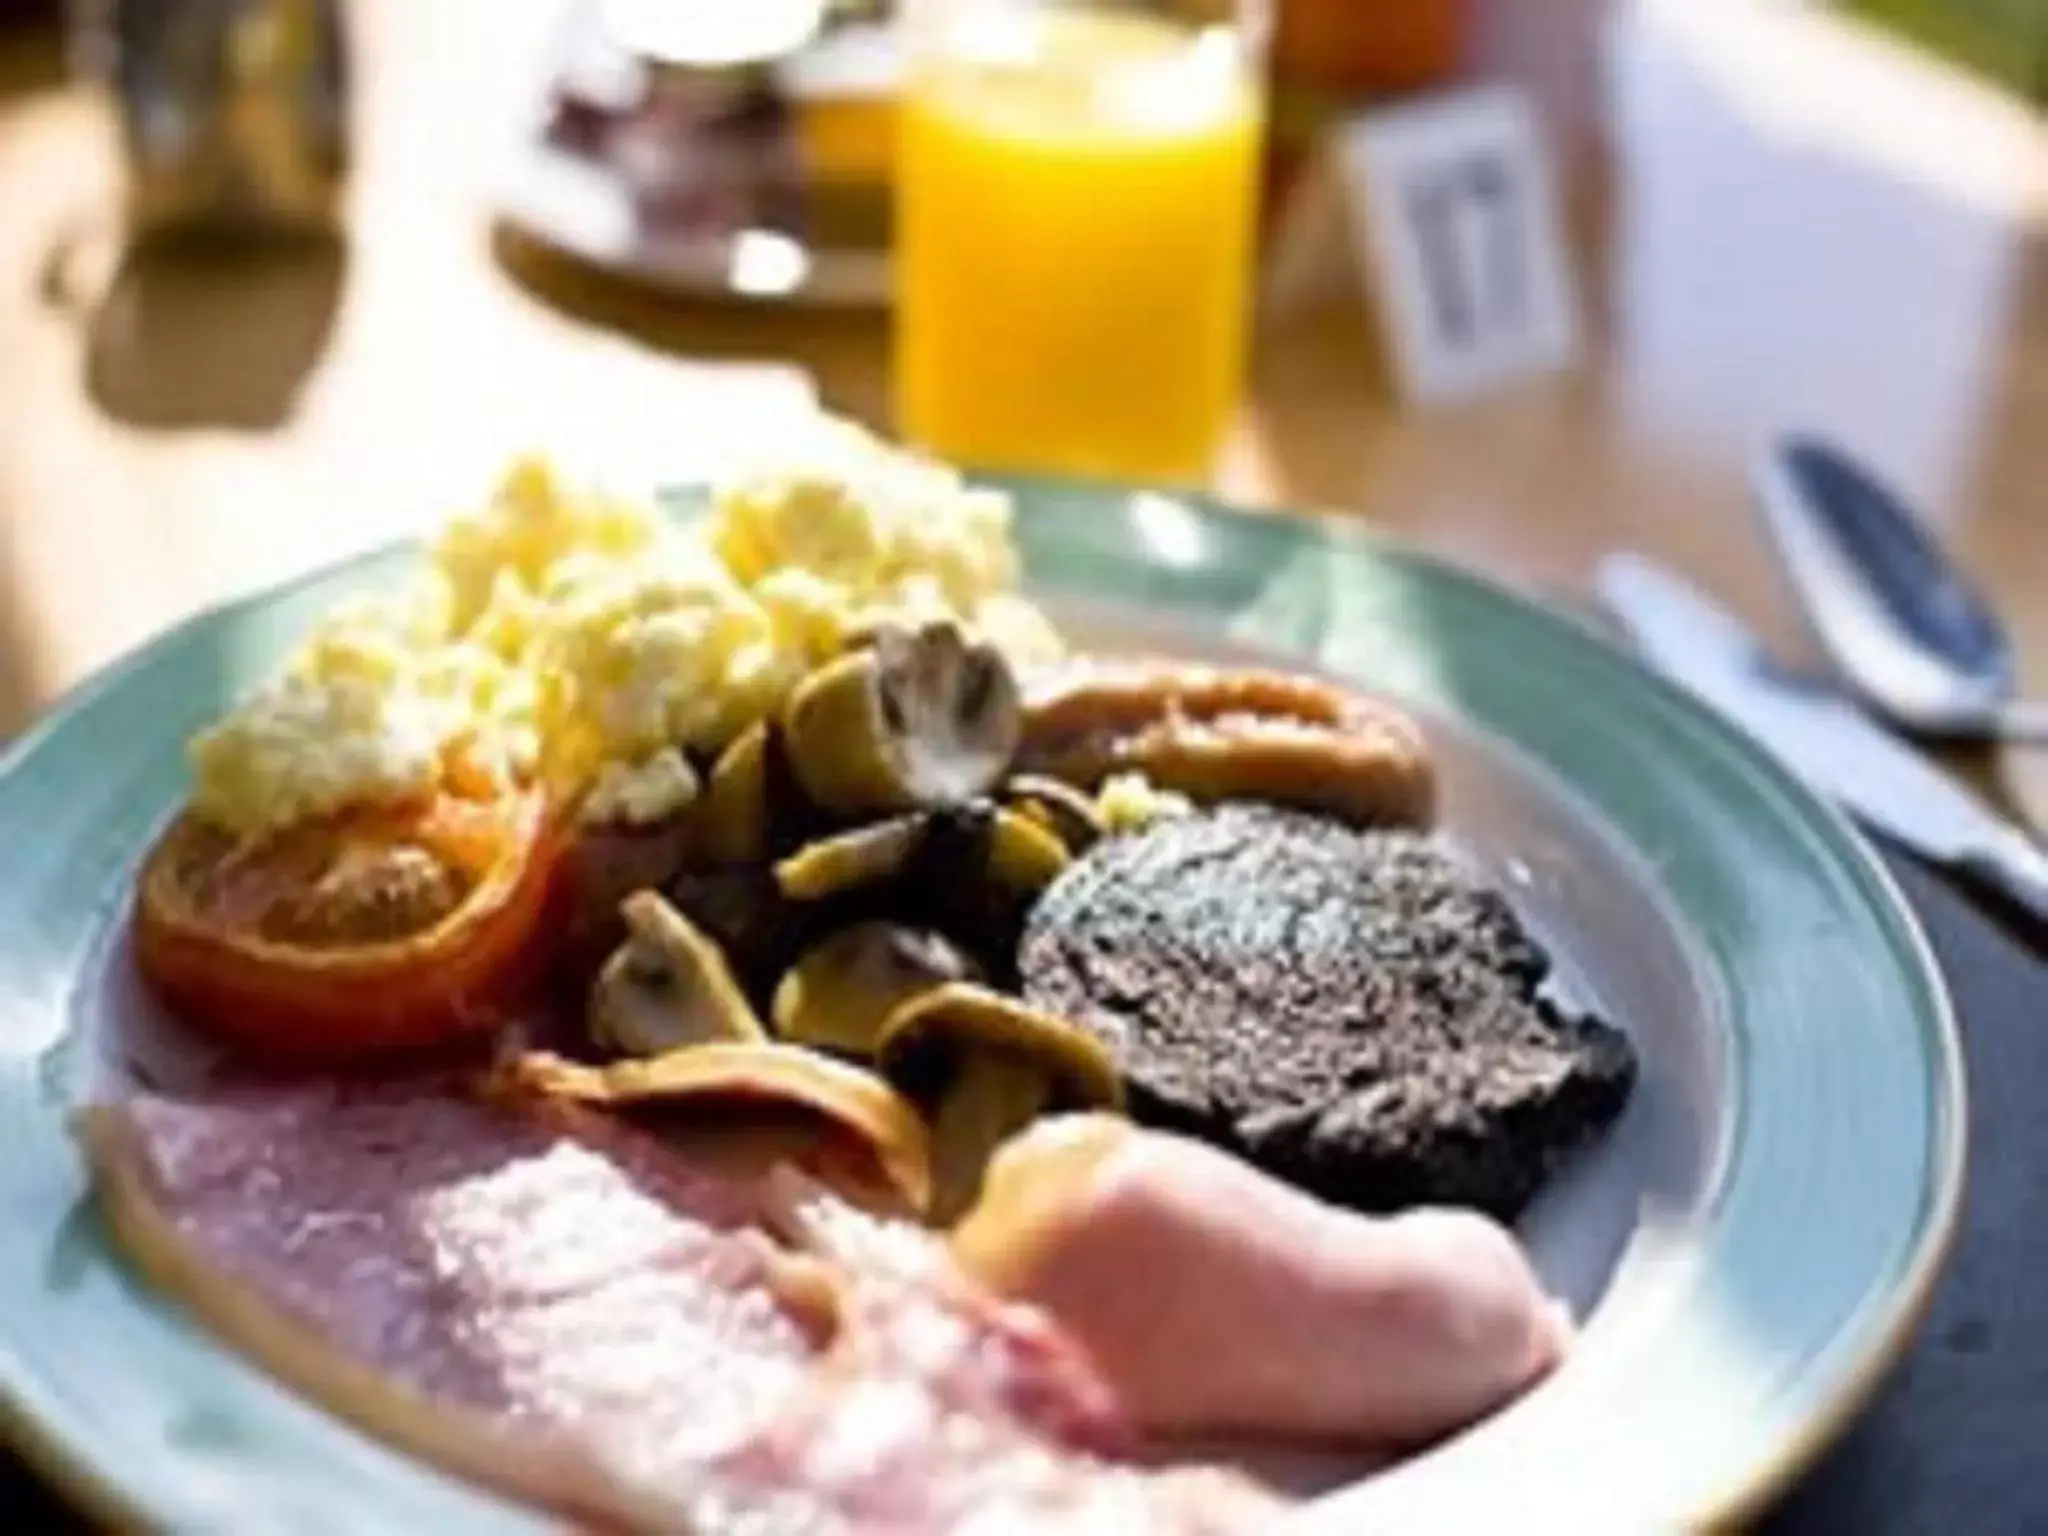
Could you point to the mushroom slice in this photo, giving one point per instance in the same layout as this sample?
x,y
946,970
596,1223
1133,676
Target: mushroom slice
x,y
921,718
751,1075
734,810
984,1066
666,985
864,856
1023,857
841,993
758,929
1066,812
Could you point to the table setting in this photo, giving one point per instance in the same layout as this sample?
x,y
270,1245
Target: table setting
x,y
1209,528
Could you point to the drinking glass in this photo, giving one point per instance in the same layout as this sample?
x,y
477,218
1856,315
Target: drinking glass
x,y
1077,188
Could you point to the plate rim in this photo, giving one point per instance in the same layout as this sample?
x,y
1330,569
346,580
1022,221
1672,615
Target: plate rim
x,y
75,1472
1906,1307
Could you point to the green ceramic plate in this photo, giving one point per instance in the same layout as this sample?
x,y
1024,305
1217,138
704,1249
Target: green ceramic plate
x,y
1748,1250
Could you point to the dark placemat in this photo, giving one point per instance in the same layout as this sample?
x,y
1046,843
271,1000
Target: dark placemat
x,y
1953,1441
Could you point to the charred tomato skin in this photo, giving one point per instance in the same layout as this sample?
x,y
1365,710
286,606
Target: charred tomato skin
x,y
449,982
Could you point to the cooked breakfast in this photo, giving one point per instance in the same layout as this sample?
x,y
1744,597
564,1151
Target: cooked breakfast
x,y
741,1024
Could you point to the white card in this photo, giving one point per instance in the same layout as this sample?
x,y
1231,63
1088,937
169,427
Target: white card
x,y
1454,210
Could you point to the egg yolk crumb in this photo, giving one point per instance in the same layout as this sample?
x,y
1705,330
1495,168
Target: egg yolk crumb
x,y
1130,802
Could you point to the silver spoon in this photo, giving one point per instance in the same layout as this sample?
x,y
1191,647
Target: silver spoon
x,y
1899,621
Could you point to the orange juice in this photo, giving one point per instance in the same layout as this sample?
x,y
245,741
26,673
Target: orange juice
x,y
1075,224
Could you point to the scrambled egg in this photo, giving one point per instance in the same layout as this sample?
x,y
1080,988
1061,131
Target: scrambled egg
x,y
1130,802
854,536
636,794
668,651
492,561
581,635
365,713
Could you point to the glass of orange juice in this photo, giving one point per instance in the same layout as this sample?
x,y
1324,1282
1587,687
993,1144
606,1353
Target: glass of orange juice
x,y
1076,211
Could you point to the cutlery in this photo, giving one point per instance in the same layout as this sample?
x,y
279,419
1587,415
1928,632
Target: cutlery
x,y
1895,615
1828,741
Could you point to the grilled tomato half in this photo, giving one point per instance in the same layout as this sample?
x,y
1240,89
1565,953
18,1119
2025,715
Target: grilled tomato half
x,y
350,938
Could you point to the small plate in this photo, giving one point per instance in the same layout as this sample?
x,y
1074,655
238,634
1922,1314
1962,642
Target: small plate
x,y
724,179
1748,1251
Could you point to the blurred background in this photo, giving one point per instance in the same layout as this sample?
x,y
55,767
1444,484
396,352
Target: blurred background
x,y
279,278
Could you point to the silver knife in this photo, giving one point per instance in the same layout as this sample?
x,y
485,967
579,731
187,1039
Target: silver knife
x,y
1825,739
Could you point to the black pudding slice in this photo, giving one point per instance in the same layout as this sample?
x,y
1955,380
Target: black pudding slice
x,y
1352,1011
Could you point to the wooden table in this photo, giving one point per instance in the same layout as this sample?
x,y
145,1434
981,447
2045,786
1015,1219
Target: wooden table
x,y
169,435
